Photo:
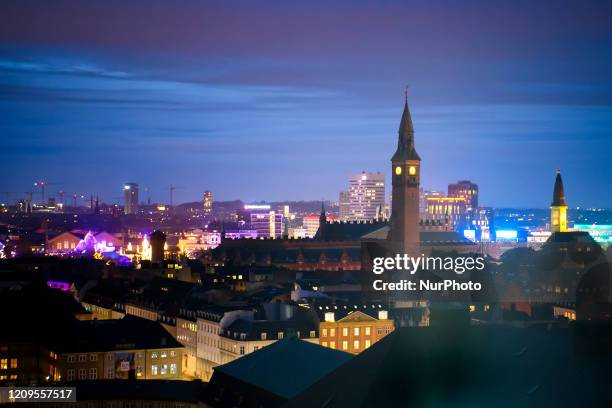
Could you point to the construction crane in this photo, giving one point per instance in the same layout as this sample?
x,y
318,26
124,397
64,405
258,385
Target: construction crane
x,y
42,184
172,188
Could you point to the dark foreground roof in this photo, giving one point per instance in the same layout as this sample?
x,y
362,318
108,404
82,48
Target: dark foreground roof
x,y
477,367
280,371
140,390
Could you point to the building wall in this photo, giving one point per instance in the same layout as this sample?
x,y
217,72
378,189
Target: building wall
x,y
353,336
186,334
366,195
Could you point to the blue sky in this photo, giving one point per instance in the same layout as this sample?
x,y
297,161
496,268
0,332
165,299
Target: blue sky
x,y
282,101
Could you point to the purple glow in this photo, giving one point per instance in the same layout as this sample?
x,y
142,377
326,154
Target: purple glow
x,y
63,286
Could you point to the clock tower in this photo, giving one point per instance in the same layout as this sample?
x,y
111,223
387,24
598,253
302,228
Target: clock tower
x,y
405,175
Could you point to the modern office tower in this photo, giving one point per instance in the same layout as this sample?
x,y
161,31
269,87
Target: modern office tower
x,y
344,206
130,191
267,224
207,201
406,174
558,207
448,210
467,190
366,195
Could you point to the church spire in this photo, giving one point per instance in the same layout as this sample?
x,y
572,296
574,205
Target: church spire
x,y
405,142
558,192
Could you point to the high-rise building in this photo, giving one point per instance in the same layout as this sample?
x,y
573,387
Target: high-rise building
x,y
558,207
344,206
130,191
405,170
467,190
424,195
366,195
447,210
207,201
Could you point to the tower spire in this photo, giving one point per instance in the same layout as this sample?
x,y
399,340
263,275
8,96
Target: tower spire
x,y
558,191
405,142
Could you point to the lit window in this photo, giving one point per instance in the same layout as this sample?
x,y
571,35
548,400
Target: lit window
x,y
164,354
324,344
356,345
332,344
264,336
173,368
4,364
154,354
313,334
172,353
332,332
280,335
368,343
324,333
367,330
356,331
345,345
345,331
379,331
154,369
164,369
13,363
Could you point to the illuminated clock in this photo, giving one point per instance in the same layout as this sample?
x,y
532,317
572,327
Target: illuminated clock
x,y
398,171
412,170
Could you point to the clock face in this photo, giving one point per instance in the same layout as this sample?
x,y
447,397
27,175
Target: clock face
x,y
412,170
398,171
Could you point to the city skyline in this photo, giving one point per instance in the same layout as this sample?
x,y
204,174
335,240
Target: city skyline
x,y
250,114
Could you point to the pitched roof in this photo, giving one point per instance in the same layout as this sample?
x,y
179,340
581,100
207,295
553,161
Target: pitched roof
x,y
267,368
476,366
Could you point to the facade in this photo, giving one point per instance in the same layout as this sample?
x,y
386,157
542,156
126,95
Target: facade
x,y
186,334
355,331
558,207
448,210
130,193
344,206
311,223
467,190
366,195
267,224
424,195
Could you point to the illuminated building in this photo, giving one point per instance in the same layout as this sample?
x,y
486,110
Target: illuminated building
x,y
353,330
467,190
558,207
192,243
311,223
423,196
207,202
600,233
130,192
406,174
267,224
447,210
146,251
366,195
344,206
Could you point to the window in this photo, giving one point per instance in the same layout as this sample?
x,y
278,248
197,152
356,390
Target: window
x,y
280,335
356,331
71,358
13,377
345,331
313,334
154,369
324,333
164,369
241,350
110,373
82,374
264,336
70,374
13,363
345,345
255,348
332,344
154,354
93,357
367,330
242,336
332,332
324,344
4,364
173,368
387,329
164,354
379,331
172,353
109,356
356,345
368,343
82,358
93,373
